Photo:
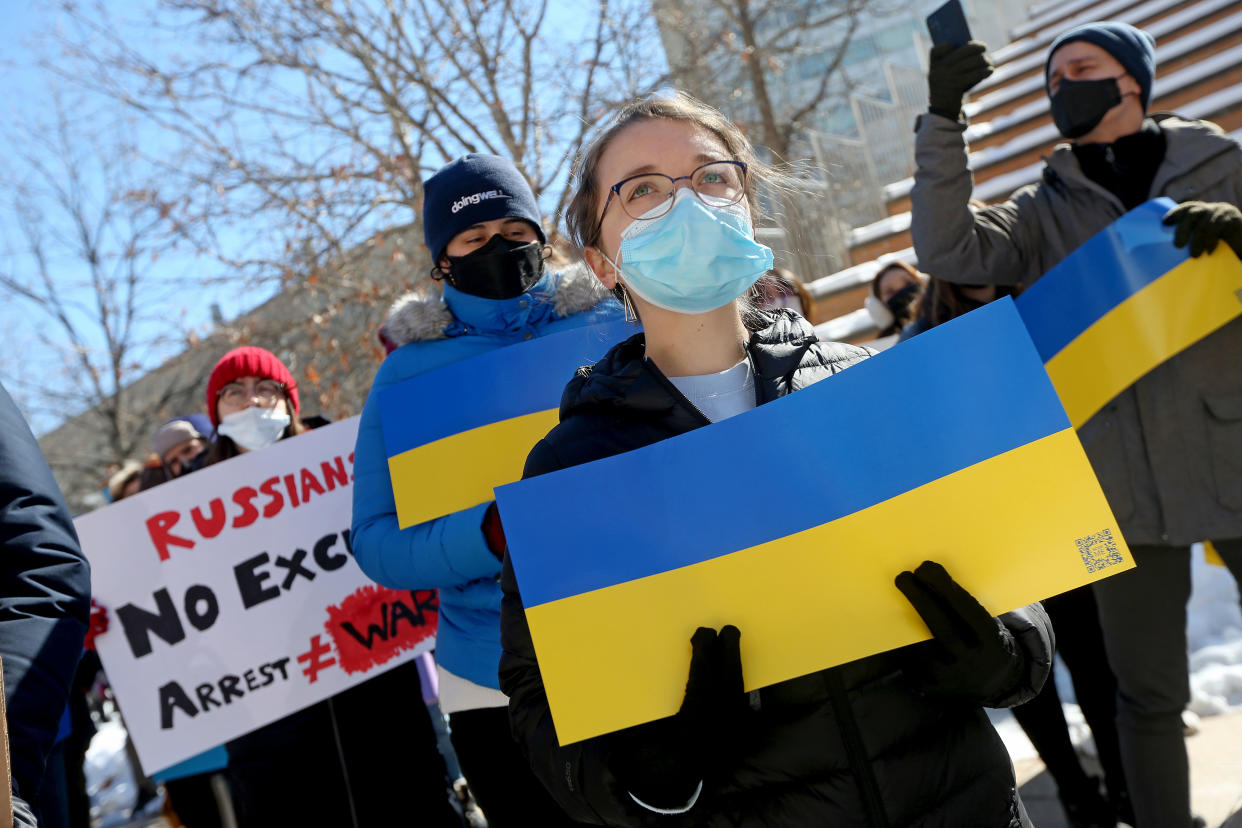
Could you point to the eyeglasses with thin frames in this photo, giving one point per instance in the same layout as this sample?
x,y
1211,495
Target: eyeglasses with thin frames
x,y
267,392
716,183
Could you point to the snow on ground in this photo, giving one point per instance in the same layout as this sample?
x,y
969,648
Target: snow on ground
x,y
109,780
1214,634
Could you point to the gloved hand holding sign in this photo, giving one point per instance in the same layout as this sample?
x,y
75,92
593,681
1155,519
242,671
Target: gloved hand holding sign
x,y
663,763
971,656
1201,224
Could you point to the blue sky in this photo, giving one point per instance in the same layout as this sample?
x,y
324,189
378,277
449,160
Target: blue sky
x,y
24,86
23,90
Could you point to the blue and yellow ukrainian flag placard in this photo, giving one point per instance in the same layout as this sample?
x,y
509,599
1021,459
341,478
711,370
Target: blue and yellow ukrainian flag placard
x,y
1124,302
940,449
455,433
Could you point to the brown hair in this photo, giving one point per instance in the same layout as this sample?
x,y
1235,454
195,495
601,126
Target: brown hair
x,y
222,448
886,267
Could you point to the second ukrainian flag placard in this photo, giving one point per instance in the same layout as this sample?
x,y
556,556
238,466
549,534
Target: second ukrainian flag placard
x,y
454,433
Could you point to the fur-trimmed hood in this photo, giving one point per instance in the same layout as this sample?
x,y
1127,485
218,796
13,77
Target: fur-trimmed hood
x,y
418,317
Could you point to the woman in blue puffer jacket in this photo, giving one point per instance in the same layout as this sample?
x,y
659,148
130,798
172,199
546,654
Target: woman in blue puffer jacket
x,y
482,226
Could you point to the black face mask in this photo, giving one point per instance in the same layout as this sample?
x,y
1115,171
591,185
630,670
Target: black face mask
x,y
1079,106
900,301
500,269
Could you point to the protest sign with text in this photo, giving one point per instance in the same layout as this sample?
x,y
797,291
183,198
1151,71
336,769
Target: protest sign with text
x,y
234,598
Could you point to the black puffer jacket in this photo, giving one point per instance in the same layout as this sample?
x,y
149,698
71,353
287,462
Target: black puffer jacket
x,y
856,745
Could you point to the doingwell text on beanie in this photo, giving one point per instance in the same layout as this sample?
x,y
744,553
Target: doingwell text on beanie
x,y
473,189
249,361
1133,48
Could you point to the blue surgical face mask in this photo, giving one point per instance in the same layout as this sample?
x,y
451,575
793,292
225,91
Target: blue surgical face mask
x,y
695,258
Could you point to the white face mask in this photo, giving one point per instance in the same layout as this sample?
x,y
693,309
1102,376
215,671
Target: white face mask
x,y
880,314
254,428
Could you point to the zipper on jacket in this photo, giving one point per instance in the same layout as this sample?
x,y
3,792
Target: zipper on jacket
x,y
678,397
759,400
868,788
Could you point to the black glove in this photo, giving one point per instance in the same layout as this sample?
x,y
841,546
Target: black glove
x,y
662,762
972,655
1204,223
952,72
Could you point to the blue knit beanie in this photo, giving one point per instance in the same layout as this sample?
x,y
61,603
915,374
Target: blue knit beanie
x,y
472,189
1134,49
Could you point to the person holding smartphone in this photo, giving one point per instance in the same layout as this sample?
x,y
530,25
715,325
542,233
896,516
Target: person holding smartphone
x,y
1168,449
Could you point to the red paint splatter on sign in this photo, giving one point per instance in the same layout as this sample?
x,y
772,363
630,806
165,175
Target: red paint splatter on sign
x,y
375,623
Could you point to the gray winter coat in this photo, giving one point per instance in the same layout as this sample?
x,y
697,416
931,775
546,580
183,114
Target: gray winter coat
x,y
1167,450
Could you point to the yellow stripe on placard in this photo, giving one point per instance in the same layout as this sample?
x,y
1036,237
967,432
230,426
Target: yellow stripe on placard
x,y
481,459
1172,313
618,656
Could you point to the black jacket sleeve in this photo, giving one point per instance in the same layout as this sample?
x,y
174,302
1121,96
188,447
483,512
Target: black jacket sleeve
x,y
577,776
1032,631
44,598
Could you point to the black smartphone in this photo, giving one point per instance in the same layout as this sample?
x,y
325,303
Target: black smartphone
x,y
947,24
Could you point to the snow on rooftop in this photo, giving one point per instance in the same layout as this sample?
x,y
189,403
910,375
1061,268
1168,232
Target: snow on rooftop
x,y
886,226
1040,9
1026,112
1039,18
846,326
852,277
1028,35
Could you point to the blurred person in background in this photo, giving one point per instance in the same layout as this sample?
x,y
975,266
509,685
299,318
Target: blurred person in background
x,y
894,296
780,288
181,445
365,757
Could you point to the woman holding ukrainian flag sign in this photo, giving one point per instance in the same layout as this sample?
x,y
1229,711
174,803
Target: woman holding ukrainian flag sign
x,y
481,224
664,211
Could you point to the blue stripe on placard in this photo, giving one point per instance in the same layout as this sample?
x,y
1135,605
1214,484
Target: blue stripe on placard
x,y
499,385
906,417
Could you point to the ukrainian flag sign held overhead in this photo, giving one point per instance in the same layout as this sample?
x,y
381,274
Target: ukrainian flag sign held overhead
x,y
455,433
1123,303
943,449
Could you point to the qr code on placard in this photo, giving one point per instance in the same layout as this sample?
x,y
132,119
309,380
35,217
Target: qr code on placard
x,y
1099,551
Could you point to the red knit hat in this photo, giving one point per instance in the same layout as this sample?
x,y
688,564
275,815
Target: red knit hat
x,y
248,362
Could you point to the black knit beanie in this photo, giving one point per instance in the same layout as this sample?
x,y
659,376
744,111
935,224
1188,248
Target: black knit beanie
x,y
473,189
1133,48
